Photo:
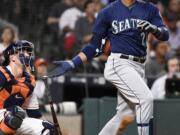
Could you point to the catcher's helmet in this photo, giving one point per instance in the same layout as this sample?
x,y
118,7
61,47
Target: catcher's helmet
x,y
18,48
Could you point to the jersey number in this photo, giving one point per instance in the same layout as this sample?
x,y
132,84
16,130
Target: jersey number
x,y
143,37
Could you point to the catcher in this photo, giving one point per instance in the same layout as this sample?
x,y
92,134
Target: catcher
x,y
18,105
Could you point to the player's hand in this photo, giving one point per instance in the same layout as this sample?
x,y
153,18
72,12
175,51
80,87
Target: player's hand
x,y
146,26
61,69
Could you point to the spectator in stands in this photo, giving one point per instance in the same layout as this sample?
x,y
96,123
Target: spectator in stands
x,y
83,27
55,36
7,37
41,66
155,65
69,17
56,10
67,26
158,88
174,8
5,23
174,33
98,5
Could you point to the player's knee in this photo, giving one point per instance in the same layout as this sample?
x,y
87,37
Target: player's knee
x,y
49,128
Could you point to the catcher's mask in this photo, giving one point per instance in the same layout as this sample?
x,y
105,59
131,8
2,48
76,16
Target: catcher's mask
x,y
19,48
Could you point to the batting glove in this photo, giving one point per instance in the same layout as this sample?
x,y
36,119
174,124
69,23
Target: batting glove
x,y
146,26
61,69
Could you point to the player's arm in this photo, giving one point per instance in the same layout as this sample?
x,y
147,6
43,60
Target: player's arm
x,y
100,30
155,25
86,54
89,51
161,31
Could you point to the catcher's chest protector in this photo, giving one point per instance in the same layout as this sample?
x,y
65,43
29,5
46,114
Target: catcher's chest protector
x,y
15,91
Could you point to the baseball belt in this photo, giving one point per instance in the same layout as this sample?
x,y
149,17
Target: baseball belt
x,y
133,58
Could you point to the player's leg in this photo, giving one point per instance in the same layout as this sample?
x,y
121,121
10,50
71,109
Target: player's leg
x,y
126,110
133,88
136,91
31,126
124,116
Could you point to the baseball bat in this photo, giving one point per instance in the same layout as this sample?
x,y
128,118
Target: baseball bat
x,y
55,120
53,113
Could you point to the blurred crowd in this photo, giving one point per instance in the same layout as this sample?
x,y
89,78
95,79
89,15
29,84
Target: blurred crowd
x,y
59,28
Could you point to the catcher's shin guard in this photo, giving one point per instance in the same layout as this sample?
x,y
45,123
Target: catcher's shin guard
x,y
11,122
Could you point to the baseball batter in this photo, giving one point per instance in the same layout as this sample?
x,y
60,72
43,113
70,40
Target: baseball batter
x,y
126,23
18,105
